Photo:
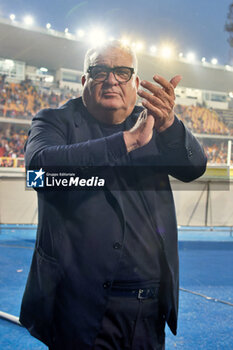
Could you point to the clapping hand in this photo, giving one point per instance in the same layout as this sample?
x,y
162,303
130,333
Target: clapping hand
x,y
160,100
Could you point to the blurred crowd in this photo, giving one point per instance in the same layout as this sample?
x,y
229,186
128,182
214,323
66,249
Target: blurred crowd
x,y
11,145
202,120
23,100
216,152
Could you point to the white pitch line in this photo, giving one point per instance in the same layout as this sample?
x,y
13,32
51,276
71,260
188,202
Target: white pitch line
x,y
207,297
10,318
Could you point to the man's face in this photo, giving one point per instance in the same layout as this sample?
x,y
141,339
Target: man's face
x,y
110,95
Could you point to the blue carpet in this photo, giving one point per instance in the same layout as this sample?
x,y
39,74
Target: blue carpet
x,y
206,260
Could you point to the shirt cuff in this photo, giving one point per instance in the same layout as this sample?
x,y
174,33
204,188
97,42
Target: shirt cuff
x,y
116,145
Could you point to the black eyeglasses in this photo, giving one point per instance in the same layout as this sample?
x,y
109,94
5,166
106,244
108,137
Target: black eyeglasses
x,y
100,73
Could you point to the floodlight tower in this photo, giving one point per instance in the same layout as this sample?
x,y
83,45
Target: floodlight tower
x,y
229,29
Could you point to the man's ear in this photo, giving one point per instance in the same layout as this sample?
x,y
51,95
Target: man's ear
x,y
83,79
137,80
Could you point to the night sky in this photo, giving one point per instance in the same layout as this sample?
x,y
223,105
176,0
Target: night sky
x,y
196,26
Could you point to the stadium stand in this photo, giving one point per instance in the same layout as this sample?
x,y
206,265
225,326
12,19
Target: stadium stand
x,y
12,140
25,99
202,120
216,151
22,100
226,116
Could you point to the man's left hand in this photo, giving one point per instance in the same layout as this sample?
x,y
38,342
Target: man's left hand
x,y
160,101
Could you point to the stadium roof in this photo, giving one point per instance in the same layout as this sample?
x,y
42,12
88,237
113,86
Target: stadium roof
x,y
39,47
48,48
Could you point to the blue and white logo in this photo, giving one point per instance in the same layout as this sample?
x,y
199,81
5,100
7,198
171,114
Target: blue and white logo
x,y
35,178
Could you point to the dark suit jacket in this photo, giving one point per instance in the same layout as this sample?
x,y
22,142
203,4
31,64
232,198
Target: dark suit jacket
x,y
74,261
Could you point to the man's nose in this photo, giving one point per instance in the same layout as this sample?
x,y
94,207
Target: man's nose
x,y
111,79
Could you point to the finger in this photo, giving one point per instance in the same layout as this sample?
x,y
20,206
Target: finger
x,y
150,86
167,103
175,80
155,111
167,90
168,87
156,90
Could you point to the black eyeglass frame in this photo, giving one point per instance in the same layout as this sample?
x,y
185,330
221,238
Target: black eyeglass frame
x,y
109,70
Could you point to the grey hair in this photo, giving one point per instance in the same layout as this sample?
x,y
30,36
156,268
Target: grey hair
x,y
115,44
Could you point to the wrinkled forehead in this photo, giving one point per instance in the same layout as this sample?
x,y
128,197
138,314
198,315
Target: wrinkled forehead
x,y
112,57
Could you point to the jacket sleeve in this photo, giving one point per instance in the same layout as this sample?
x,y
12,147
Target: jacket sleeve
x,y
48,144
181,153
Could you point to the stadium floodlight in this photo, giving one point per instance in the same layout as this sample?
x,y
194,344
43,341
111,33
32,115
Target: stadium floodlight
x,y
43,69
97,37
125,41
12,17
231,94
80,33
203,60
153,49
48,25
229,68
191,57
166,52
28,20
214,61
66,30
181,55
138,46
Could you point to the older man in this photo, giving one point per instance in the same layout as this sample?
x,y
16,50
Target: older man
x,y
104,273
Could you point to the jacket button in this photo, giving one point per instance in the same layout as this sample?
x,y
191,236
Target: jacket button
x,y
190,152
117,245
106,285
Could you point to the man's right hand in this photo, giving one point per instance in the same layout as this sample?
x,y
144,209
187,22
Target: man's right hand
x,y
141,133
